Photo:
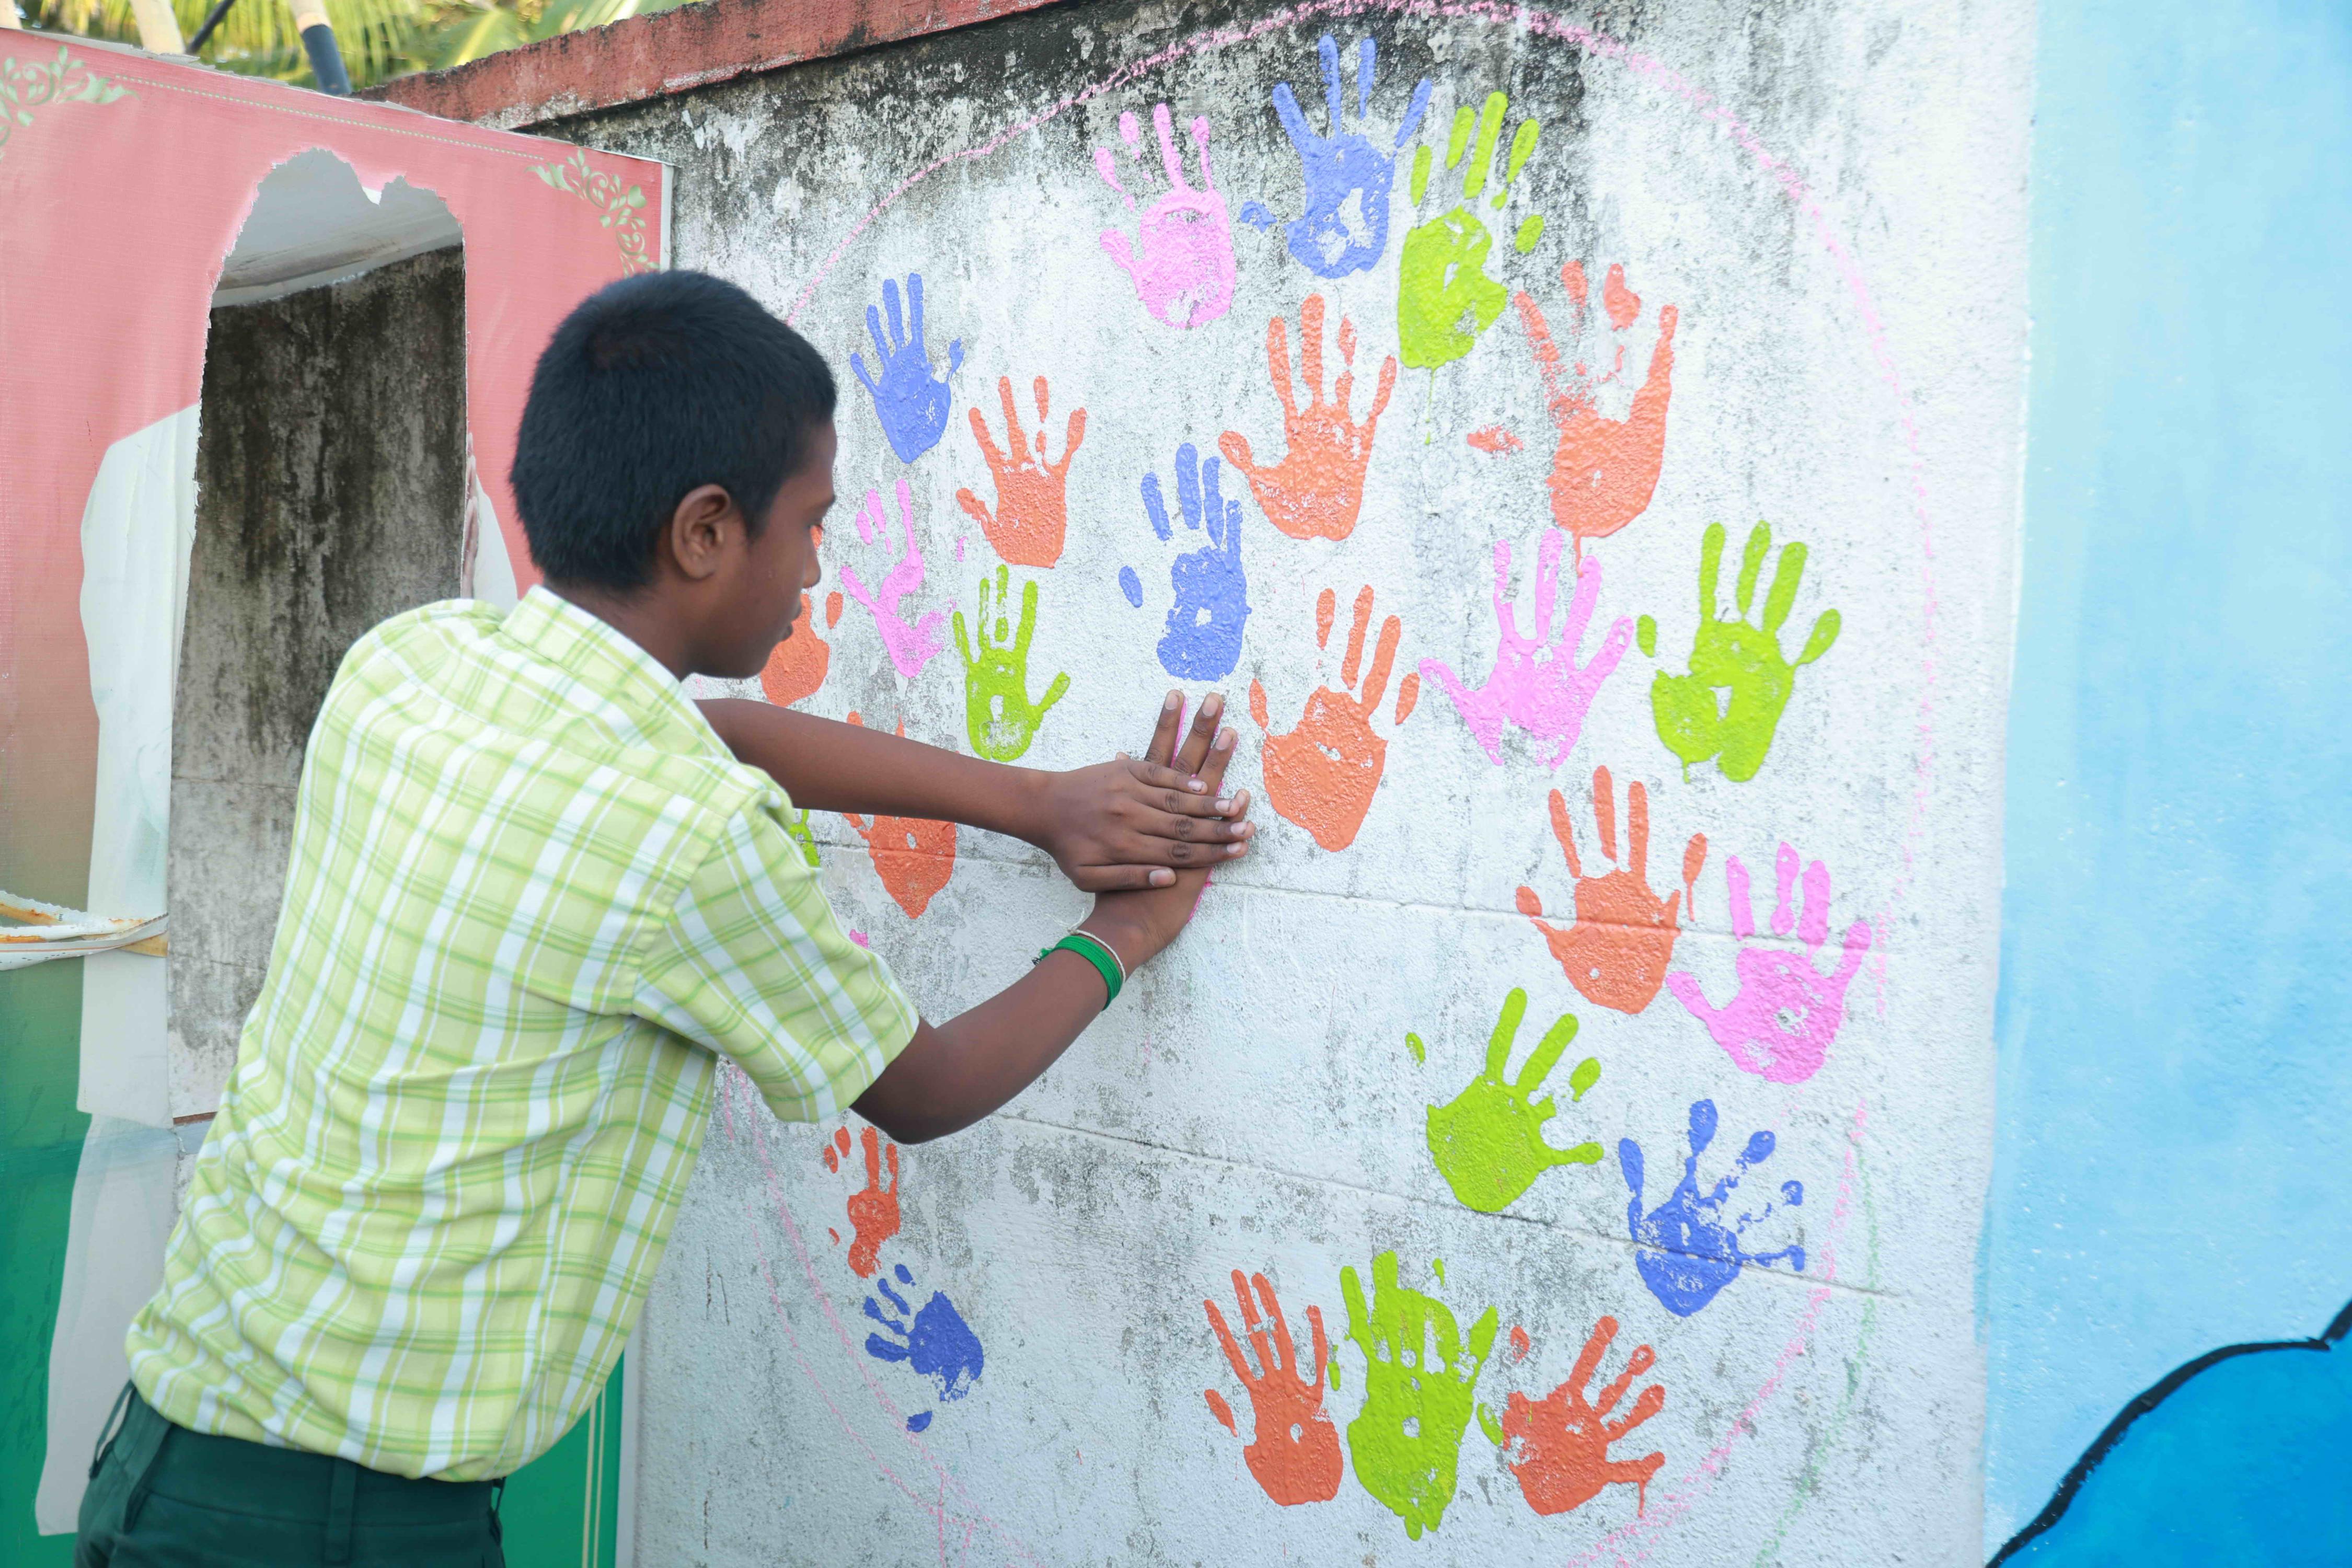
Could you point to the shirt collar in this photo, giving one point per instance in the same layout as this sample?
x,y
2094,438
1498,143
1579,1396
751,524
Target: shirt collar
x,y
636,690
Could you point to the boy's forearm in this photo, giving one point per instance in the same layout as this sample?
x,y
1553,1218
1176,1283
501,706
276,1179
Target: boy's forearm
x,y
952,1074
827,765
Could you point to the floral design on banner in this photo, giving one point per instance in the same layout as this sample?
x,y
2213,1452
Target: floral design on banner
x,y
28,85
620,208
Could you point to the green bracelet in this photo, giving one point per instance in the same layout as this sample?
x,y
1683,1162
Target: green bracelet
x,y
1097,951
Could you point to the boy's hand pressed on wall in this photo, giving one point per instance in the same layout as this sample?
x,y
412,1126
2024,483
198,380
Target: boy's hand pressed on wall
x,y
1138,823
1125,823
951,1075
1141,922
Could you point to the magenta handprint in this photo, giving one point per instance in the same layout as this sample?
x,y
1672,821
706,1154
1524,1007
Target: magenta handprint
x,y
1182,261
1781,1024
910,646
1540,688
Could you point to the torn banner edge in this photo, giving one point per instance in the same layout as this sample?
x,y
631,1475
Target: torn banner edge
x,y
53,930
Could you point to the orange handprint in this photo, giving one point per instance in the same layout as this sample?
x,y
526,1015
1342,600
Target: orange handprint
x,y
914,858
1295,1454
1604,471
1616,951
1317,488
1031,502
797,667
874,1211
1322,775
1559,1446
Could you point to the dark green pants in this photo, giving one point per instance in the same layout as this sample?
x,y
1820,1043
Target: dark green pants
x,y
163,1497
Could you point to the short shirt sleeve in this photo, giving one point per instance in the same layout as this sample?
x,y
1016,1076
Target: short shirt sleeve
x,y
753,964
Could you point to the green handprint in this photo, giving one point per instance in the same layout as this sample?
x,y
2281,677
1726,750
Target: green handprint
x,y
1734,656
806,836
1407,1441
1489,1143
1441,273
997,711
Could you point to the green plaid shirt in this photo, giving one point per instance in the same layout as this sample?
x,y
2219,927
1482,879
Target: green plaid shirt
x,y
532,899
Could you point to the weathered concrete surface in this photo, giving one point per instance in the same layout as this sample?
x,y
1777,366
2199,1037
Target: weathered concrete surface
x,y
331,475
1847,365
691,46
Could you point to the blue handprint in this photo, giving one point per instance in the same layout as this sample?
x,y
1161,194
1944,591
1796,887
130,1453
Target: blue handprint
x,y
911,405
1343,171
938,1343
1203,639
1684,1251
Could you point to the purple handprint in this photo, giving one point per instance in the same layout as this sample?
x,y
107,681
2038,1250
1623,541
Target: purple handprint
x,y
910,402
909,646
1203,639
1682,1250
1541,689
1781,1024
1327,237
1183,272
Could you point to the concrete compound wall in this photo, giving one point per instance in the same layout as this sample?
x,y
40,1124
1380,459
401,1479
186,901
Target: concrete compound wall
x,y
332,479
996,1348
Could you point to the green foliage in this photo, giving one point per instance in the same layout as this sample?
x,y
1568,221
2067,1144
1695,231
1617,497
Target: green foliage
x,y
379,38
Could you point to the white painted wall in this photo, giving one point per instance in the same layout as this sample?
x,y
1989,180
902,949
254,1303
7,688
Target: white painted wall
x,y
1848,366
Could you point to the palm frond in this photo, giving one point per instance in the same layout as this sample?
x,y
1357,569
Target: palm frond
x,y
379,38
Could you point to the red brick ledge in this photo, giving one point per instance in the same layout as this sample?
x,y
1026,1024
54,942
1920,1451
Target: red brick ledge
x,y
673,51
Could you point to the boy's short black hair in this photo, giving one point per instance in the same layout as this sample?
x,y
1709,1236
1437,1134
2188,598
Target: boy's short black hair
x,y
651,387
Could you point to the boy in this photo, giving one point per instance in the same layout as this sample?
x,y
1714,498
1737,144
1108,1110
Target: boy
x,y
534,898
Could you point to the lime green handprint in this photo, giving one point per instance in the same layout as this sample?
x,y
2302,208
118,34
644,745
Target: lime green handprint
x,y
806,836
1741,659
1407,1441
1445,298
998,714
1489,1143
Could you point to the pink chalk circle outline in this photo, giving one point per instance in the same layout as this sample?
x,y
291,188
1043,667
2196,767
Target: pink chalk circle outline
x,y
1630,1542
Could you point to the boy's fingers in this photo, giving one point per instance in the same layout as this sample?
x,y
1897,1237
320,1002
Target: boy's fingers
x,y
1220,757
1122,879
1205,728
1162,749
1172,791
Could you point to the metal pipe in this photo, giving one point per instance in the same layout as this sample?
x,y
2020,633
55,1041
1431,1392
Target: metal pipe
x,y
212,19
319,42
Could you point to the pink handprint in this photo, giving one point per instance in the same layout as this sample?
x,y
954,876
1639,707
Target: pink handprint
x,y
909,646
1541,689
1781,1024
1183,272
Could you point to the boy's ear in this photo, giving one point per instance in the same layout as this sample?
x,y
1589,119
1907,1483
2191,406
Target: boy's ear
x,y
702,526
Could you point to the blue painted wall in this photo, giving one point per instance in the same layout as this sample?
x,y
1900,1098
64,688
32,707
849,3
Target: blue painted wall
x,y
2176,1006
